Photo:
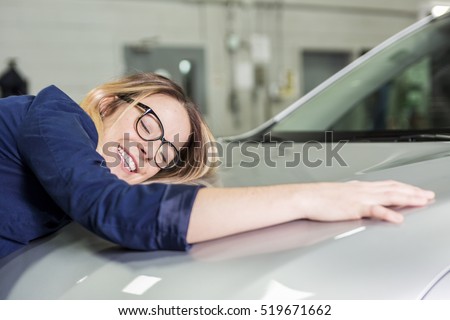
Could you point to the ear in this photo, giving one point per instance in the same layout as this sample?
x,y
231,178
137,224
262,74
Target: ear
x,y
104,104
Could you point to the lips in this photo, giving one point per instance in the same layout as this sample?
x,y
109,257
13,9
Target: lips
x,y
128,160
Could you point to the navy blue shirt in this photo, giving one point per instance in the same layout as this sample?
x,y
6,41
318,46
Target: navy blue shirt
x,y
51,174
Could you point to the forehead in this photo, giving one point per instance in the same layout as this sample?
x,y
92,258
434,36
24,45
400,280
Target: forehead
x,y
173,116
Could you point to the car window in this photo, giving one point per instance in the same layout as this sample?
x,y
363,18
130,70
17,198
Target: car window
x,y
415,99
403,86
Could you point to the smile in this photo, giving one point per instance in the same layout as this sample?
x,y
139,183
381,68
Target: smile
x,y
127,159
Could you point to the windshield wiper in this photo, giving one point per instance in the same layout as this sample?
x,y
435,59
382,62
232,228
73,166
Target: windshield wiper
x,y
357,136
414,137
424,137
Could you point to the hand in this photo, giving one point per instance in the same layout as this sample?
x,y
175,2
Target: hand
x,y
356,199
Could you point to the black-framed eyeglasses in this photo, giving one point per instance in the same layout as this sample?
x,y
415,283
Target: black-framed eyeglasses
x,y
149,128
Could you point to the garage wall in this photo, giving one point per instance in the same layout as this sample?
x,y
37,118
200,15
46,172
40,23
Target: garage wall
x,y
78,44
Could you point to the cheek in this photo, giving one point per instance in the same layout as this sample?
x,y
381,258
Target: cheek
x,y
150,173
108,150
119,128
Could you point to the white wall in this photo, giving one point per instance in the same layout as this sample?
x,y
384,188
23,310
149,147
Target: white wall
x,y
77,44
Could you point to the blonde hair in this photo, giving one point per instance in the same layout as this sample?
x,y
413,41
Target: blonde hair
x,y
197,160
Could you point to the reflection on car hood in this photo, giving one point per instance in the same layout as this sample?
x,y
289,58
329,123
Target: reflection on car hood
x,y
298,260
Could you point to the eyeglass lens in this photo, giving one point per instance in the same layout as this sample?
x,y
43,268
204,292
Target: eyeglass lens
x,y
149,128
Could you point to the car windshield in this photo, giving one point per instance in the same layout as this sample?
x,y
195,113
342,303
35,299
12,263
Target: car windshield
x,y
399,89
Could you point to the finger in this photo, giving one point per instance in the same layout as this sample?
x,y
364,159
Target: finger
x,y
388,187
402,198
419,192
386,214
394,185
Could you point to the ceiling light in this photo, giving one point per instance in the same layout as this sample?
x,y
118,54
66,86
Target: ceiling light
x,y
439,10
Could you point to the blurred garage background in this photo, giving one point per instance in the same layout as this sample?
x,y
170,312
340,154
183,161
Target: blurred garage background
x,y
242,61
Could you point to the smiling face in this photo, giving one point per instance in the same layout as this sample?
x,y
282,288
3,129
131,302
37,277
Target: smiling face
x,y
129,156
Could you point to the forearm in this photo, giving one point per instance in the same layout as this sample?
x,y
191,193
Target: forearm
x,y
219,212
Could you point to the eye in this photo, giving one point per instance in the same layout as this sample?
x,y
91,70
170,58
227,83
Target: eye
x,y
149,127
166,155
145,126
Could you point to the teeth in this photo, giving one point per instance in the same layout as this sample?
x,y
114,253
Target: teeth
x,y
129,163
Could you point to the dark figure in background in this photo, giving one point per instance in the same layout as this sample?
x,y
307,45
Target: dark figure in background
x,y
11,83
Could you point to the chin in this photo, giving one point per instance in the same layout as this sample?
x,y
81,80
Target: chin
x,y
132,179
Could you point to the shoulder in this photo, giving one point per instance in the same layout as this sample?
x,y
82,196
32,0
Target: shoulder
x,y
52,107
54,98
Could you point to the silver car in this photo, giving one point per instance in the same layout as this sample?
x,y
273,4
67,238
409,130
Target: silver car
x,y
385,116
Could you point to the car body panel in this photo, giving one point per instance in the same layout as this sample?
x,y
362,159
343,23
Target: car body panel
x,y
298,260
363,259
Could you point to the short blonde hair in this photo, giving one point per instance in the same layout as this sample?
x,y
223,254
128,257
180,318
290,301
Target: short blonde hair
x,y
196,157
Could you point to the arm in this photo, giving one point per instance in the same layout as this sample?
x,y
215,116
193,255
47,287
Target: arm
x,y
57,141
221,212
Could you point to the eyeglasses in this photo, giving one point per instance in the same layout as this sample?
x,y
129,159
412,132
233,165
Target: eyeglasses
x,y
149,128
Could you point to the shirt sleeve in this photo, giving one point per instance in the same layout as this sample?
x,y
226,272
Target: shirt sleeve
x,y
57,140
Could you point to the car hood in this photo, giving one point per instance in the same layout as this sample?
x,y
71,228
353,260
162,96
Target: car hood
x,y
363,259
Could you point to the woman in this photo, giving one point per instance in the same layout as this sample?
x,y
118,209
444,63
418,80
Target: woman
x,y
62,163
